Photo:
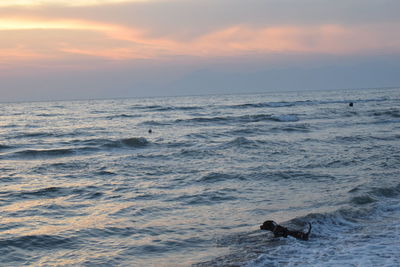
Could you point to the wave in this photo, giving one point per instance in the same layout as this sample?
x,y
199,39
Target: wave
x,y
285,118
188,108
161,108
280,104
376,192
86,192
105,173
380,115
194,153
350,139
241,142
49,114
62,166
293,175
108,232
79,147
4,147
214,177
203,120
39,242
271,104
206,198
346,101
33,153
304,128
48,192
11,125
242,119
34,134
392,113
46,134
227,119
248,131
365,231
155,123
137,142
98,144
386,138
122,116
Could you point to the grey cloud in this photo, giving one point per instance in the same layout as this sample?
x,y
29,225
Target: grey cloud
x,y
177,78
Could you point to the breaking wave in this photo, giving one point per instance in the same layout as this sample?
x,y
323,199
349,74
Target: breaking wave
x,y
362,229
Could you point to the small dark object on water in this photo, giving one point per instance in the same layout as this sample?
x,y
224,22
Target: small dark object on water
x,y
351,104
150,131
280,231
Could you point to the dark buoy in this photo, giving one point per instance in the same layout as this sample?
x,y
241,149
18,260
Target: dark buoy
x,y
150,131
351,104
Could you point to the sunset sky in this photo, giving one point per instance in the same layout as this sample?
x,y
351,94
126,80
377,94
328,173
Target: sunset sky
x,y
72,49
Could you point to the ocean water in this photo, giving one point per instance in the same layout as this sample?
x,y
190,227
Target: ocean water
x,y
84,183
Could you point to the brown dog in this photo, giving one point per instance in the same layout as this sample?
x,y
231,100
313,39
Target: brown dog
x,y
280,231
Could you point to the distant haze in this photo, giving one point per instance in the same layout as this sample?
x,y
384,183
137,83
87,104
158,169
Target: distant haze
x,y
52,49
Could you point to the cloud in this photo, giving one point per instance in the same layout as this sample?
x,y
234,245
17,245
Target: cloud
x,y
178,35
55,38
191,18
187,19
60,38
184,20
36,3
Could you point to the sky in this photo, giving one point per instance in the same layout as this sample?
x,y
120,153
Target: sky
x,y
89,49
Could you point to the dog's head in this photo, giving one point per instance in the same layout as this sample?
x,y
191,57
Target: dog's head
x,y
268,225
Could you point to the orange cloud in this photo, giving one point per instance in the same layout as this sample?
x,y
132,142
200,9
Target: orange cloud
x,y
10,3
19,53
111,53
122,43
329,39
15,23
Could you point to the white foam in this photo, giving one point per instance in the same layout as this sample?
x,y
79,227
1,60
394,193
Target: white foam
x,y
373,241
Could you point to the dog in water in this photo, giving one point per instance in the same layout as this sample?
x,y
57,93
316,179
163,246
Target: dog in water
x,y
280,231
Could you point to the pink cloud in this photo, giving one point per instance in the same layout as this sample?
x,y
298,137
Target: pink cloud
x,y
118,42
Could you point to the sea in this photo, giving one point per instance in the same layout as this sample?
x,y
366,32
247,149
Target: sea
x,y
187,181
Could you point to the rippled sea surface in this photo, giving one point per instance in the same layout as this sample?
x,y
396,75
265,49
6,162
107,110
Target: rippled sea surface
x,y
84,183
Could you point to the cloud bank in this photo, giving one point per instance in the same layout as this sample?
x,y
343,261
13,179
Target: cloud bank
x,y
94,34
